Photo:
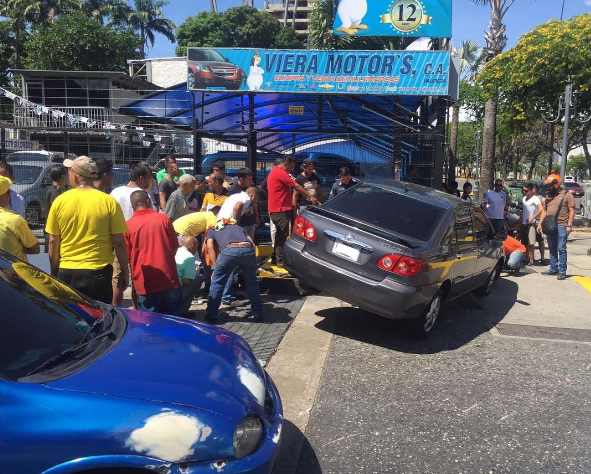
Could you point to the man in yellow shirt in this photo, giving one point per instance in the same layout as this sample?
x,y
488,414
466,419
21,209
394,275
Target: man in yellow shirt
x,y
84,225
196,223
15,236
217,193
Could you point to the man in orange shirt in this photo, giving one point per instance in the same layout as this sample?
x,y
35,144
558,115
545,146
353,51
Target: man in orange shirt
x,y
514,252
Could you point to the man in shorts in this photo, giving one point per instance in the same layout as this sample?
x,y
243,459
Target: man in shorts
x,y
532,209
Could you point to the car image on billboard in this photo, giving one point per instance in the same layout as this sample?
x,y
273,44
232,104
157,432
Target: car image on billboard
x,y
208,69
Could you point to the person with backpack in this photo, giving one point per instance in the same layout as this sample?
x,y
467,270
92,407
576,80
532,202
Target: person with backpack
x,y
556,221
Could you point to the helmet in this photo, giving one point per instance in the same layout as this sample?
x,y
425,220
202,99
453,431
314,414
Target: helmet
x,y
552,181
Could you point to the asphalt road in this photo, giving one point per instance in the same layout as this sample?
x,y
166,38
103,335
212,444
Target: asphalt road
x,y
463,401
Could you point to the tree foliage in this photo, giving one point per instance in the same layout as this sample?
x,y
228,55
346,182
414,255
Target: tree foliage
x,y
148,19
532,75
77,43
577,165
236,27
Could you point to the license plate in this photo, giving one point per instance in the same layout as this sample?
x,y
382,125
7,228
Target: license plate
x,y
342,250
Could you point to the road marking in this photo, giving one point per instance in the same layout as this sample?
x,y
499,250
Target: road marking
x,y
585,282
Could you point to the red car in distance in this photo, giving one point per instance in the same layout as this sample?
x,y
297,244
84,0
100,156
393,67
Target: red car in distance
x,y
575,189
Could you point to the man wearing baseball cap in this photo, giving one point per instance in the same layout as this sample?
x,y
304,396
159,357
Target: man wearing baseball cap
x,y
15,236
559,205
84,225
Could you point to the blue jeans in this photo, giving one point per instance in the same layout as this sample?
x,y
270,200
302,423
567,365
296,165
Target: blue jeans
x,y
229,260
165,302
497,224
514,260
557,248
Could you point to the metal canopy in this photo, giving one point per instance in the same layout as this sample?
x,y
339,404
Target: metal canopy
x,y
282,121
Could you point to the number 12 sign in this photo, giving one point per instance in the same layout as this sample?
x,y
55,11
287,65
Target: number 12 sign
x,y
431,18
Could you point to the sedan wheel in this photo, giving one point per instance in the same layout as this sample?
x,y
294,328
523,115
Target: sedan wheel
x,y
425,323
33,214
484,290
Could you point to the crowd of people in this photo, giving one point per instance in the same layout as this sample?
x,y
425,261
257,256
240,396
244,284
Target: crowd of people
x,y
181,239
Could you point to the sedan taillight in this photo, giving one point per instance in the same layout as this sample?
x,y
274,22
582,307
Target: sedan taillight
x,y
405,266
304,228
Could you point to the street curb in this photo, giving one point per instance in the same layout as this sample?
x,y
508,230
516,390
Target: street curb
x,y
296,369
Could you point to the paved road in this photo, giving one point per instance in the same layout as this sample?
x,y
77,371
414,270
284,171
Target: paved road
x,y
462,401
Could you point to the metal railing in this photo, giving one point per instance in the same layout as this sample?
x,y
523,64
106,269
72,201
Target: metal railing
x,y
32,117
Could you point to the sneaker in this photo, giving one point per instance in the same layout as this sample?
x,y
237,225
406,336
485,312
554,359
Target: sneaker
x,y
258,318
549,273
561,276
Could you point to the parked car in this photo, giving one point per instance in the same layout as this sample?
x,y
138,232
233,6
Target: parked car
x,y
207,68
32,181
37,156
88,388
574,188
569,179
396,249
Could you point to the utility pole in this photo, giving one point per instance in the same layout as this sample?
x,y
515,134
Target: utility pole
x,y
568,94
214,5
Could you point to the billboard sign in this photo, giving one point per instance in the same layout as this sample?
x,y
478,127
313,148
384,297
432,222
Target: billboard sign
x,y
431,18
330,72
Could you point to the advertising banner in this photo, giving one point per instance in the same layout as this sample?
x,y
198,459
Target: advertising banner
x,y
330,72
431,18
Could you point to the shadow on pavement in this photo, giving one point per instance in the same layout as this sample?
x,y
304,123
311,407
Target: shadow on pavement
x,y
459,322
295,446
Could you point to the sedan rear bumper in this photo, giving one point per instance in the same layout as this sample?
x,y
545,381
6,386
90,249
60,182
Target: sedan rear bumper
x,y
387,298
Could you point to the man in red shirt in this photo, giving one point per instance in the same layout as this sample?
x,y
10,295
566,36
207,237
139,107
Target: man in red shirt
x,y
151,246
279,188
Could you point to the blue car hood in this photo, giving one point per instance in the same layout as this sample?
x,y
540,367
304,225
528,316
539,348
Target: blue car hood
x,y
175,361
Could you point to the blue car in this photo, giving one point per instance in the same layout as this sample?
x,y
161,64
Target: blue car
x,y
86,388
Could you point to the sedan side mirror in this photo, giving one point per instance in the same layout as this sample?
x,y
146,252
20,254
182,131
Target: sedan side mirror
x,y
501,235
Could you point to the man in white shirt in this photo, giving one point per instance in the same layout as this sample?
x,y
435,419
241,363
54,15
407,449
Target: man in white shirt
x,y
237,204
496,200
532,209
140,178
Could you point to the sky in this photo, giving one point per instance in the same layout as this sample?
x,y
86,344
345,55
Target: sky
x,y
469,21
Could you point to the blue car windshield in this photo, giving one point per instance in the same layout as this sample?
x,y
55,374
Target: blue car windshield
x,y
40,317
394,212
25,174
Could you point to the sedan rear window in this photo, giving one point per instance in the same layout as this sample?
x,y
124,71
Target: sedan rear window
x,y
395,212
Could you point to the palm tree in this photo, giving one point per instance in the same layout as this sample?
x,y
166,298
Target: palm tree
x,y
18,13
44,11
471,61
117,10
147,18
495,44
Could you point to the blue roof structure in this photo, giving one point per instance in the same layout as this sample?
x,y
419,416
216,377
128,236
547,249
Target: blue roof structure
x,y
316,117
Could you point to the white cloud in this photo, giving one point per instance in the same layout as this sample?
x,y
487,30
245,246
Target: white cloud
x,y
588,3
